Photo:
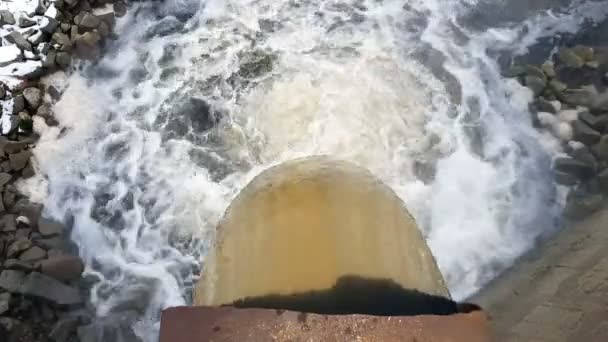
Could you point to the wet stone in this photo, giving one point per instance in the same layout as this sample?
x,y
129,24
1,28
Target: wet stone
x,y
24,21
120,8
63,268
597,122
6,17
47,227
584,96
18,104
4,179
11,280
585,134
574,167
578,207
570,59
88,21
8,223
33,97
63,59
546,106
18,39
18,246
20,160
42,286
64,329
18,265
33,254
5,302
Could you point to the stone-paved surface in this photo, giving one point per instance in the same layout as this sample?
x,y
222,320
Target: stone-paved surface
x,y
560,293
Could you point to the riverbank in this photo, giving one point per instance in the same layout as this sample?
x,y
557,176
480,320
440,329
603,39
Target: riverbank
x,y
42,294
558,292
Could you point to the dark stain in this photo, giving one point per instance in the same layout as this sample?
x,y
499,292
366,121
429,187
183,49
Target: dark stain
x,y
216,328
302,317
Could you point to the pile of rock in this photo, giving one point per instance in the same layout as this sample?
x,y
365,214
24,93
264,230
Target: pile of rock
x,y
39,268
571,102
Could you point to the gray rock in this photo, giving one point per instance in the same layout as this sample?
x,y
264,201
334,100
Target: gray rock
x,y
20,160
18,39
8,198
584,96
63,59
25,122
584,155
89,21
565,178
18,246
11,280
600,103
5,302
600,150
88,39
42,286
536,84
64,329
70,3
8,223
570,58
592,64
120,8
549,69
2,92
574,167
603,180
24,21
9,323
65,27
78,18
584,52
532,70
18,265
61,39
545,106
48,228
49,25
6,17
557,86
28,209
597,122
33,254
18,104
578,207
33,97
63,268
109,18
52,243
103,29
585,134
4,179
50,61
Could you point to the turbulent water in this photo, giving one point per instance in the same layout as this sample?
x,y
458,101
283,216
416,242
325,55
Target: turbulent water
x,y
196,97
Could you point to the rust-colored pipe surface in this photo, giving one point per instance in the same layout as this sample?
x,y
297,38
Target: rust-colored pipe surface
x,y
198,324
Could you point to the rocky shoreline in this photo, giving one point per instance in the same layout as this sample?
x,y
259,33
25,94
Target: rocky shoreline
x,y
41,293
571,104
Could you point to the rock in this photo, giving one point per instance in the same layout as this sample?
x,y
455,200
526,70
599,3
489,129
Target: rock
x,y
88,39
57,243
584,96
18,246
578,207
18,39
4,179
6,17
532,70
5,302
103,29
585,134
89,21
2,92
108,18
597,122
600,103
65,27
78,17
8,223
70,3
28,171
25,122
64,329
574,167
18,104
63,268
600,150
120,8
536,84
33,97
584,52
546,106
49,25
30,210
63,59
24,21
33,254
49,228
565,178
20,160
61,39
11,280
42,286
603,180
549,69
570,58
557,86
593,64
50,61
9,323
18,265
